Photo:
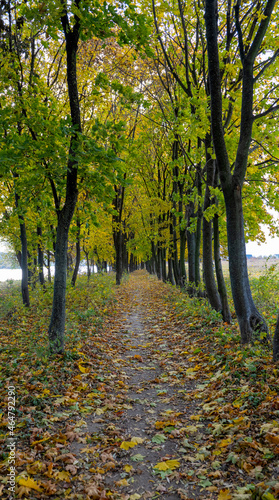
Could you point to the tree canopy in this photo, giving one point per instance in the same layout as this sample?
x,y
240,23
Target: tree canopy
x,y
140,134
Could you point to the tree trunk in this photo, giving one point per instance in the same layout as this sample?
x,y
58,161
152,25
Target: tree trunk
x,y
248,316
209,278
23,255
164,265
87,264
222,289
182,267
40,257
48,267
77,263
170,276
175,265
191,245
57,322
118,257
250,320
198,233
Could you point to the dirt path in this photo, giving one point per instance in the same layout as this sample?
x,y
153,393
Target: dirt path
x,y
146,427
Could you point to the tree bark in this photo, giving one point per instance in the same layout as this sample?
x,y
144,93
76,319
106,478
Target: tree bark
x,y
77,263
40,257
87,264
209,278
48,267
24,254
170,276
57,322
191,245
222,289
250,320
117,237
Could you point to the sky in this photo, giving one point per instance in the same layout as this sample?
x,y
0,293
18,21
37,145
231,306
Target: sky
x,y
271,247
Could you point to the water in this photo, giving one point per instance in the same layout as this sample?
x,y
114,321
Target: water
x,y
16,274
10,274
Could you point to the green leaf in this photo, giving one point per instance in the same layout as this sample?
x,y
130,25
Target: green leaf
x,y
137,458
159,438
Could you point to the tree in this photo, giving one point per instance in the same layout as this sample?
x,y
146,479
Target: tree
x,y
249,318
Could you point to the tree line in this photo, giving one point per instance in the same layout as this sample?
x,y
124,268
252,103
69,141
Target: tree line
x,y
140,133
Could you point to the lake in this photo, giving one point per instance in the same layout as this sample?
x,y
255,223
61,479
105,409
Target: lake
x,y
16,274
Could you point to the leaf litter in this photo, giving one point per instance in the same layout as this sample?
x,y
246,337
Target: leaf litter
x,y
158,402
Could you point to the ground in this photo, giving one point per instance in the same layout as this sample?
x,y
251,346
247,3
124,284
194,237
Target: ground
x,y
154,408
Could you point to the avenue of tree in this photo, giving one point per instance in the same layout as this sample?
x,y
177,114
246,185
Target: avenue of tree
x,y
140,134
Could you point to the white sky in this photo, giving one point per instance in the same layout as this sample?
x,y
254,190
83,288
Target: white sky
x,y
265,249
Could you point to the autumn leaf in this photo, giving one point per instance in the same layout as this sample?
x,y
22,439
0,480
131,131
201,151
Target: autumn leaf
x,y
93,491
62,475
224,443
122,482
137,440
168,464
126,445
272,438
159,438
128,468
29,483
84,369
137,458
138,357
224,495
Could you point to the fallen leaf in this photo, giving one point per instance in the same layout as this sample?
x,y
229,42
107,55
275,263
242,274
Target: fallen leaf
x,y
122,482
29,483
137,440
93,491
224,495
158,438
137,458
168,464
125,445
84,369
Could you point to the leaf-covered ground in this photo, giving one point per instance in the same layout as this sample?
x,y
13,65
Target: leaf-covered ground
x,y
154,398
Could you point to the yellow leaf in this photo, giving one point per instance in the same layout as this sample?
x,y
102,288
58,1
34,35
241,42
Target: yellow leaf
x,y
168,464
216,452
137,440
224,443
125,445
40,440
128,468
29,483
81,423
83,369
62,476
100,411
135,496
190,370
122,482
224,495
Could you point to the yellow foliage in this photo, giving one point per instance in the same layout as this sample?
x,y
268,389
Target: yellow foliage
x,y
29,483
125,445
168,464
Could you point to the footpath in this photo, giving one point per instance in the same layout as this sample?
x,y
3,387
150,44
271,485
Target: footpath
x,y
155,408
